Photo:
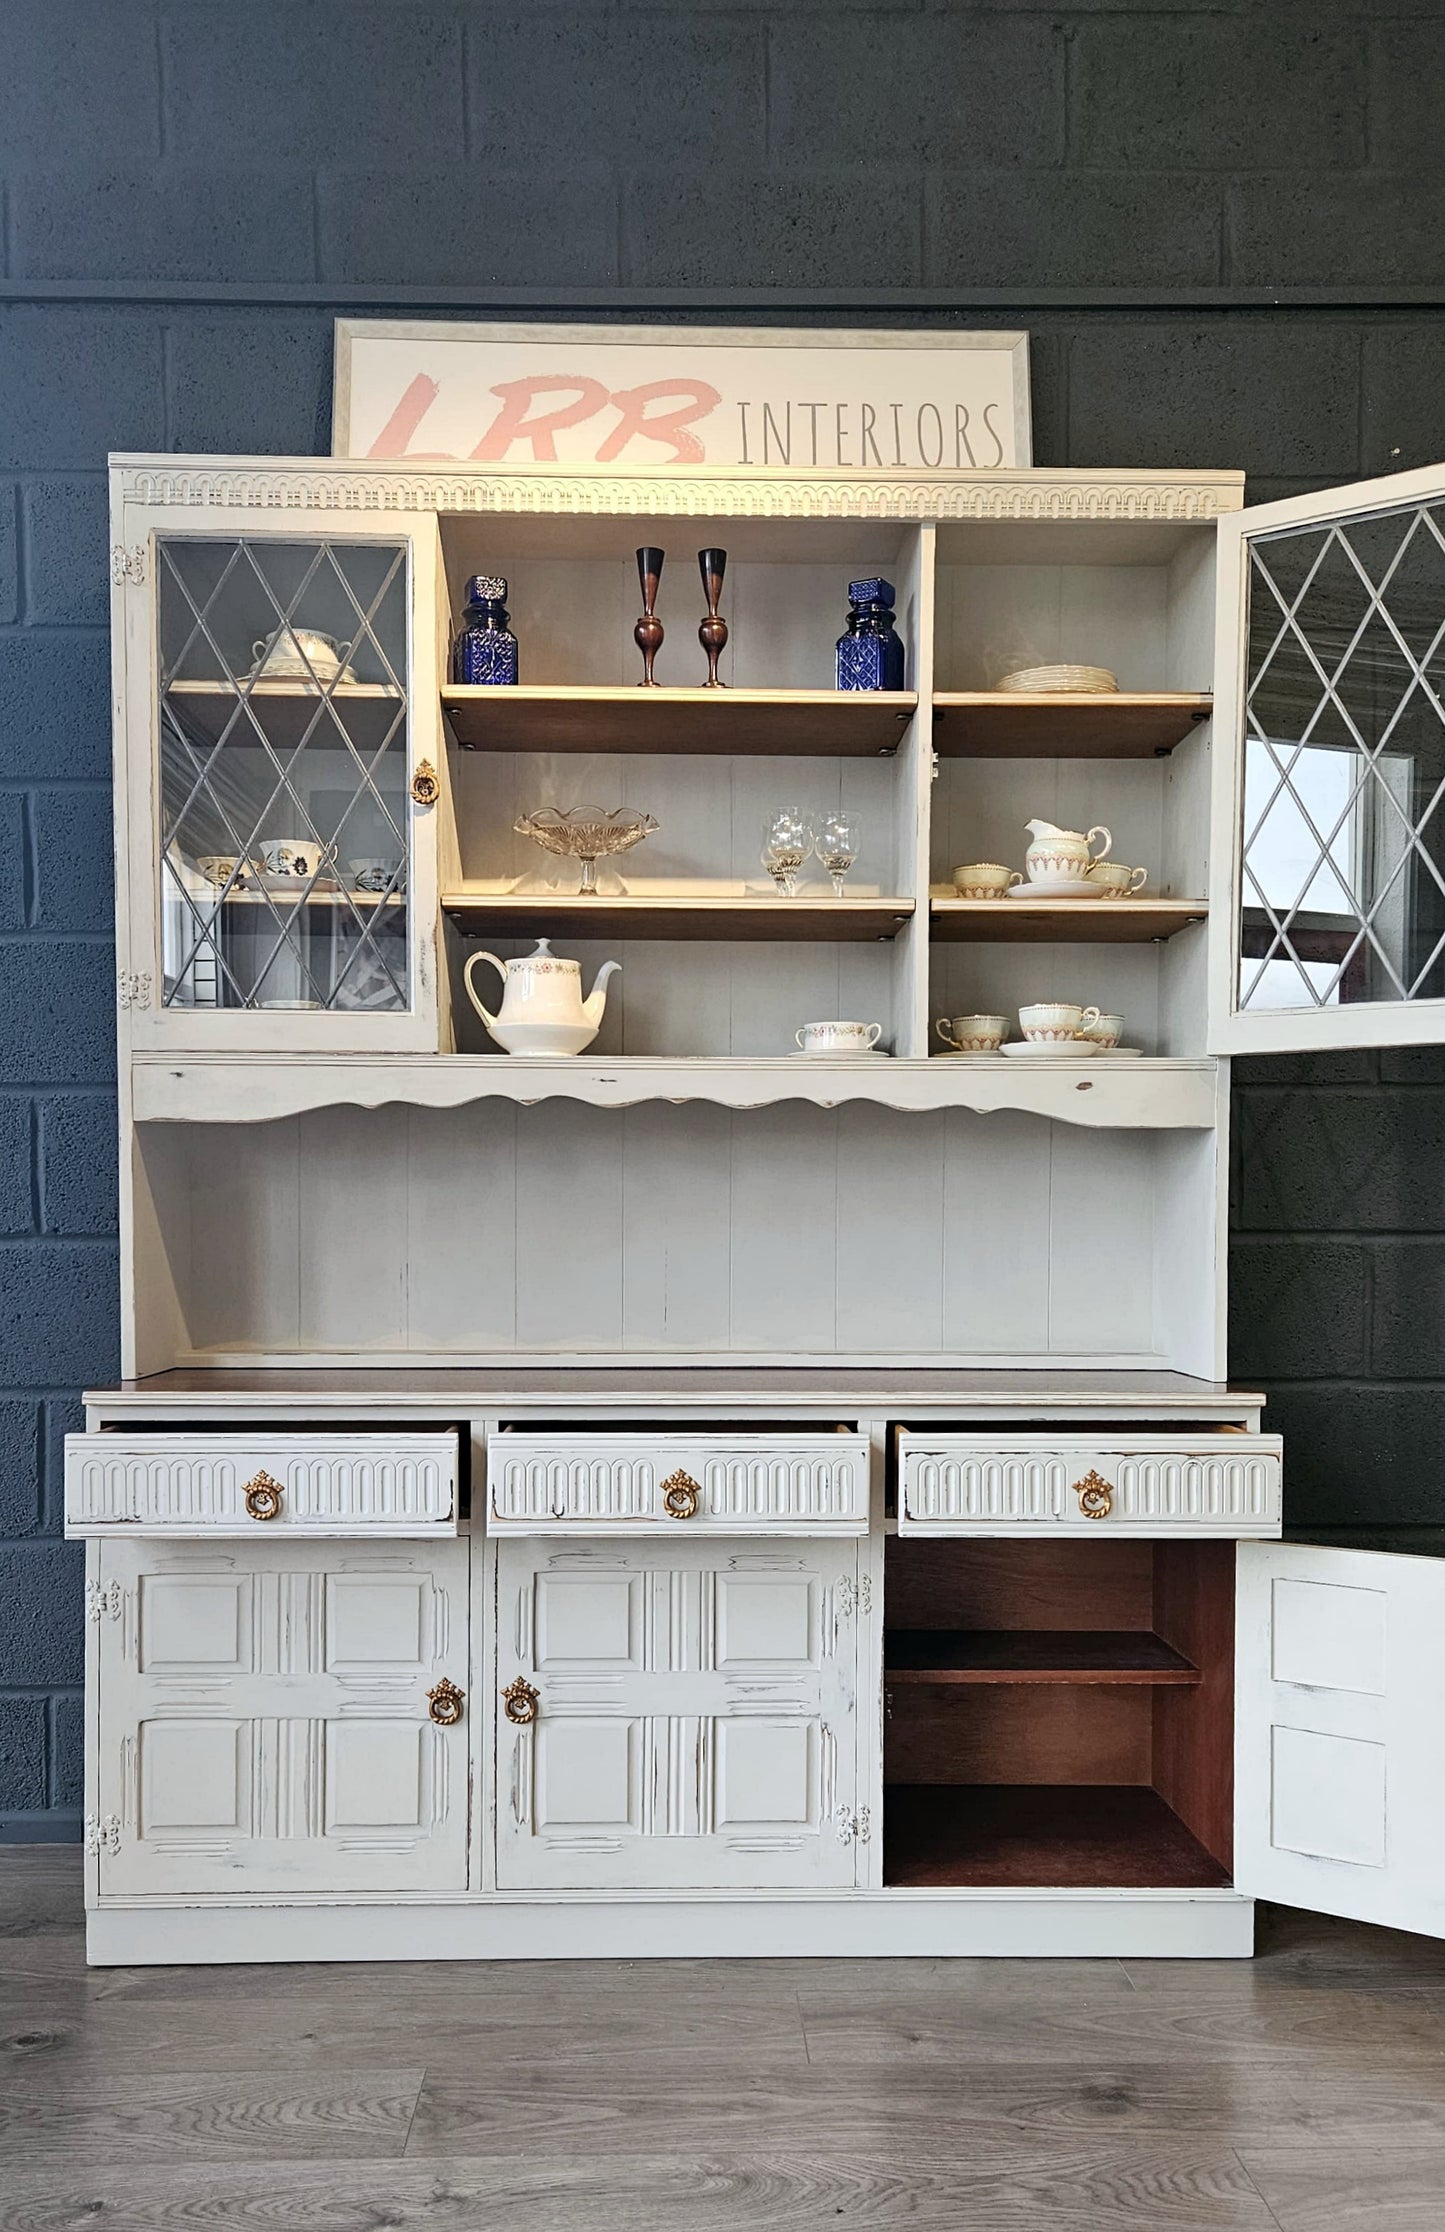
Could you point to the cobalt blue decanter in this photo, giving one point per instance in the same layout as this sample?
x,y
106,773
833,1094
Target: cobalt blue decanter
x,y
486,649
870,655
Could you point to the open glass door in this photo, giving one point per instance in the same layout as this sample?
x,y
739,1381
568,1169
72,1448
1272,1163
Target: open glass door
x,y
1327,923
1339,1756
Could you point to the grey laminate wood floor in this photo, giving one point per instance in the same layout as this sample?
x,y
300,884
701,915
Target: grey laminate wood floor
x,y
1303,2092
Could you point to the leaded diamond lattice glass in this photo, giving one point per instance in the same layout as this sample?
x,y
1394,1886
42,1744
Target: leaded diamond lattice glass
x,y
1343,838
283,764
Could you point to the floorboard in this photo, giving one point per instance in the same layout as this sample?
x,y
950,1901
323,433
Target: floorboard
x,y
1300,2092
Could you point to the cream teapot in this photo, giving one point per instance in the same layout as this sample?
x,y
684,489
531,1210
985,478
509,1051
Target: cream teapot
x,y
542,1011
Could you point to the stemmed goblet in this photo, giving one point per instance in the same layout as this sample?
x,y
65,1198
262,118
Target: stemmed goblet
x,y
837,842
787,843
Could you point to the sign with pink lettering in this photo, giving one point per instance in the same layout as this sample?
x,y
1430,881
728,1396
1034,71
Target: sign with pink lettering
x,y
820,400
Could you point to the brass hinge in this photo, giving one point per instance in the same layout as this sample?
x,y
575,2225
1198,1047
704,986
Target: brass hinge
x,y
128,565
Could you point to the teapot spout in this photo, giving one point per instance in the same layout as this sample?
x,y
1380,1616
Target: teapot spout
x,y
596,999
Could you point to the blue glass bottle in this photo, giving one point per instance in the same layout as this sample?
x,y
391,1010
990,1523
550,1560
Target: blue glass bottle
x,y
486,649
870,655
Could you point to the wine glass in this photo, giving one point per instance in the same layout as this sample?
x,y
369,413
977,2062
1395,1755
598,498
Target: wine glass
x,y
837,845
787,843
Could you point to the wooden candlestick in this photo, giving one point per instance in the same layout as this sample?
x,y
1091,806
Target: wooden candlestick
x,y
648,633
712,633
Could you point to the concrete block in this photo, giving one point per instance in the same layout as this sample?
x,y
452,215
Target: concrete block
x,y
297,88
1232,392
78,1154
57,1013
67,537
253,382
20,1487
1402,383
1298,1309
1408,1320
74,861
23,1781
1412,1065
83,76
55,705
765,232
553,89
9,556
42,1586
14,858
17,1178
1353,1453
1357,231
1217,95
77,383
416,227
67,1749
1407,68
955,89
1364,1161
1060,230
1347,1065
59,1305
172,221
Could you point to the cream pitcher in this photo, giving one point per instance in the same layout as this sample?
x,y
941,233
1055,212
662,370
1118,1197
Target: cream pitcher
x,y
542,1011
1062,856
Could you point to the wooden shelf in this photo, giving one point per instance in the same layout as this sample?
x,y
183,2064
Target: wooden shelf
x,y
494,915
1138,921
301,897
830,724
286,710
1008,724
1011,1655
1114,1837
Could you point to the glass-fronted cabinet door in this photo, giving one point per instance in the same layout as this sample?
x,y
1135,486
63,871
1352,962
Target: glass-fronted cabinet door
x,y
1327,913
280,741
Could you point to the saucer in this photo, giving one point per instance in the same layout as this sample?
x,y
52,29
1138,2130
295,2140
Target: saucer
x,y
965,1054
865,1054
1071,1050
1076,887
1121,1053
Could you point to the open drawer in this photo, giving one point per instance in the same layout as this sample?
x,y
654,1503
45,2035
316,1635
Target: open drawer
x,y
261,1482
805,1483
1221,1481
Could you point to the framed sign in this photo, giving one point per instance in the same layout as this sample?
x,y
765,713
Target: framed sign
x,y
814,401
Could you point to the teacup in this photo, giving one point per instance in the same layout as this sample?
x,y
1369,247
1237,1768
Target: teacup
x,y
1063,855
838,1038
984,879
1106,1031
219,868
300,653
376,875
296,856
1055,1022
972,1034
1116,881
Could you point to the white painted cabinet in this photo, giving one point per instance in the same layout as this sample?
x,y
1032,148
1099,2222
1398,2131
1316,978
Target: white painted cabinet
x,y
688,1716
1340,1704
266,1719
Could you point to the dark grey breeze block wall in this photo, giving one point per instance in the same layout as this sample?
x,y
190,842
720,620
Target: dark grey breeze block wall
x,y
1222,225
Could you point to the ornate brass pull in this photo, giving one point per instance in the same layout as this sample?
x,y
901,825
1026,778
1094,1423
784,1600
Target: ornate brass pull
x,y
520,1702
1096,1497
425,788
679,1496
445,1702
263,1496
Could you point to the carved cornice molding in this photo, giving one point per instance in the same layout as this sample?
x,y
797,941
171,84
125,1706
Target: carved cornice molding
x,y
1027,495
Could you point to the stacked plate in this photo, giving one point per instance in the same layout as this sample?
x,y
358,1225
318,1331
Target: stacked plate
x,y
1089,681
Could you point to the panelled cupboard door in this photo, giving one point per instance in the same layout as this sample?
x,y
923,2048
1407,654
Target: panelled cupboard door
x,y
1340,1702
265,1723
279,755
1327,900
692,1717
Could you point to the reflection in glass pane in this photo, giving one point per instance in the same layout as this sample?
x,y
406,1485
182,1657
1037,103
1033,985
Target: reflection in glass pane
x,y
283,765
1344,764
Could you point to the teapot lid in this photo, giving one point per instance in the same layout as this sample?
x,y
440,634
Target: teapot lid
x,y
542,951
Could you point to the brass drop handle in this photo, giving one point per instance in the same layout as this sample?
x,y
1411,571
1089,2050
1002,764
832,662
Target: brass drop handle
x,y
1096,1497
262,1497
445,1702
679,1496
425,788
520,1702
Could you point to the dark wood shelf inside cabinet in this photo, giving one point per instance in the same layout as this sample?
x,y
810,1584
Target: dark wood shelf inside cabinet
x,y
1118,724
946,1655
498,915
1115,1837
1061,921
827,724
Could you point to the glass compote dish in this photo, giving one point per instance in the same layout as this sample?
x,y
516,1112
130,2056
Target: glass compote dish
x,y
586,834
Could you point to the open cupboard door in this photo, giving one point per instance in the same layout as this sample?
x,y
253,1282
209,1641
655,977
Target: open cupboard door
x,y
1339,1753
1327,853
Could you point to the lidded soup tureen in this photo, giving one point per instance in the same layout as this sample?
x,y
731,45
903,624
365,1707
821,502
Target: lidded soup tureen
x,y
542,1010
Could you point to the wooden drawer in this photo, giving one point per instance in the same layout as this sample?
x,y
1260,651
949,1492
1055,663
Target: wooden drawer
x,y
1178,1484
313,1484
584,1483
